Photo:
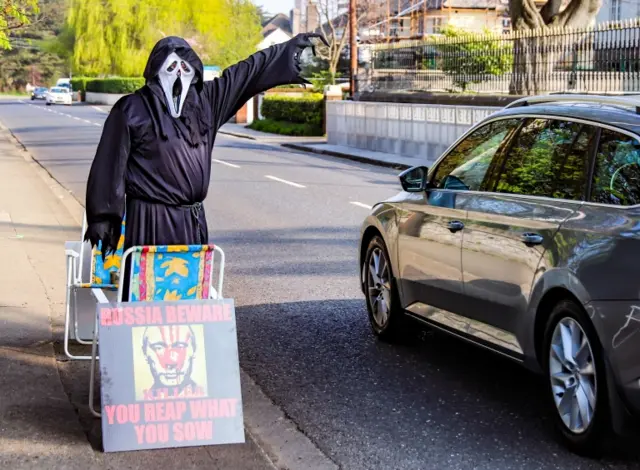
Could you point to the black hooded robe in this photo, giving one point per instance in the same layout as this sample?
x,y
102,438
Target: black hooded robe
x,y
158,167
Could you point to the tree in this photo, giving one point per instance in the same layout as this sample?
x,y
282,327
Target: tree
x,y
527,66
14,15
334,26
115,38
471,58
263,14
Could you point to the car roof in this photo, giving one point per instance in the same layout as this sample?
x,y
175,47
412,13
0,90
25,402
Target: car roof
x,y
625,118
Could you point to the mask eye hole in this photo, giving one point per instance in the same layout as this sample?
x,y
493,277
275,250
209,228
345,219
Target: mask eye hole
x,y
173,65
185,67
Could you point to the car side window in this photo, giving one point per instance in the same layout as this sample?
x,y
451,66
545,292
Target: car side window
x,y
548,158
616,178
465,167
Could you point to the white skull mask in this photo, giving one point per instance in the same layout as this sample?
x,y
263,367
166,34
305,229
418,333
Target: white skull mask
x,y
175,76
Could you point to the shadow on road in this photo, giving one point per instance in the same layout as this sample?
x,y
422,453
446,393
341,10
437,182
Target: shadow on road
x,y
438,393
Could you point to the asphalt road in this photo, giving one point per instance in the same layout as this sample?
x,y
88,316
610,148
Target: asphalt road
x,y
288,223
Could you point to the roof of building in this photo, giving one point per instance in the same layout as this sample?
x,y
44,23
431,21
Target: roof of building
x,y
279,21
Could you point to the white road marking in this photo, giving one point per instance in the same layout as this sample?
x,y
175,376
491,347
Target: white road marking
x,y
296,185
87,121
99,109
77,118
96,124
359,204
226,163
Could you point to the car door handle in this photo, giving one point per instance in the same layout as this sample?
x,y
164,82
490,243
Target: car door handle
x,y
455,226
531,239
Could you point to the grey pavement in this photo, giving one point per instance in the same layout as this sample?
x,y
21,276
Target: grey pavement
x,y
288,222
320,146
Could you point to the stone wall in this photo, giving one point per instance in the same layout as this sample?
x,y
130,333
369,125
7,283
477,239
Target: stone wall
x,y
413,130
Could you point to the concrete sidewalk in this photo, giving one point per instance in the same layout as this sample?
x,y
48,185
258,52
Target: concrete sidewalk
x,y
320,146
44,419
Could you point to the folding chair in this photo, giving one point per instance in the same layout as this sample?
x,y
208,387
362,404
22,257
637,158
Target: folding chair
x,y
101,274
163,273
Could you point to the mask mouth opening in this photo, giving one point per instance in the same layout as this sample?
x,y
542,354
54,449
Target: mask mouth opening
x,y
177,94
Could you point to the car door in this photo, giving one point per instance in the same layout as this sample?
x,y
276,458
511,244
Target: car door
x,y
431,224
538,182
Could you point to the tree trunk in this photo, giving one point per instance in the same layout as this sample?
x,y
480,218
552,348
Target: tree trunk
x,y
535,56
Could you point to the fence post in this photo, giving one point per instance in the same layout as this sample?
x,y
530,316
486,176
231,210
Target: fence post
x,y
331,93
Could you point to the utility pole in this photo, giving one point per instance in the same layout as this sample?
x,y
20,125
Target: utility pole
x,y
353,31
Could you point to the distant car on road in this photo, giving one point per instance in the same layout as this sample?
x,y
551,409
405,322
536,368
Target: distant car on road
x,y
39,93
60,95
524,238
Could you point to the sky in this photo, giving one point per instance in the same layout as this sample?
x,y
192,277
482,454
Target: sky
x,y
276,6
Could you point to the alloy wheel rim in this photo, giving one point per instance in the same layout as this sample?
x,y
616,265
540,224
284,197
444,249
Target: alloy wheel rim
x,y
379,287
573,375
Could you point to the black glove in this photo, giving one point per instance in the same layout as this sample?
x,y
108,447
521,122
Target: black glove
x,y
303,40
300,43
106,233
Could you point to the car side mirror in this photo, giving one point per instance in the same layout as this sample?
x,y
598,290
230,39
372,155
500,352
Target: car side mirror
x,y
414,180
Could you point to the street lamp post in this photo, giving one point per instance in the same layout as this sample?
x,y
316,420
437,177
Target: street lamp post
x,y
354,45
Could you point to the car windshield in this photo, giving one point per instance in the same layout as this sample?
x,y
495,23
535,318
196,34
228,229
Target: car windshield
x,y
41,89
58,90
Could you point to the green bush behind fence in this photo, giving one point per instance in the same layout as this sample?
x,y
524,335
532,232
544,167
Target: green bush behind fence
x,y
304,110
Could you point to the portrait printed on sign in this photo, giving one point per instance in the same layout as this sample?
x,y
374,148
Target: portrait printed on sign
x,y
169,362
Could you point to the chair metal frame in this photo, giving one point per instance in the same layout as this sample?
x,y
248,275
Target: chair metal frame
x,y
101,298
75,281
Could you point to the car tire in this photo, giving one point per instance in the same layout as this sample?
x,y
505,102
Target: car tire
x,y
48,104
584,426
386,316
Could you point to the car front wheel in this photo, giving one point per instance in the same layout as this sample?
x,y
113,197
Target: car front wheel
x,y
386,316
577,379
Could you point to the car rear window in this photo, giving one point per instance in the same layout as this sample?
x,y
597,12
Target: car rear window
x,y
616,178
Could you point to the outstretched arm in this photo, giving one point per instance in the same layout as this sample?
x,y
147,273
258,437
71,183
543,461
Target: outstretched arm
x,y
105,203
271,67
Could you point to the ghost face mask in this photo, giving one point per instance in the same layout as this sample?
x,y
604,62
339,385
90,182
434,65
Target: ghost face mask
x,y
175,77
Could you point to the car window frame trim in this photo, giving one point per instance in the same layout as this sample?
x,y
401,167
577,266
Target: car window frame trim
x,y
489,120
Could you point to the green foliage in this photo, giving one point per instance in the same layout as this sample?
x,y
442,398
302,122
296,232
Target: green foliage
x,y
306,110
323,78
469,58
117,85
14,15
115,38
31,62
286,128
80,83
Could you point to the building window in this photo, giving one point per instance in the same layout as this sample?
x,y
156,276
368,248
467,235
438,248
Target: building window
x,y
506,25
436,25
616,10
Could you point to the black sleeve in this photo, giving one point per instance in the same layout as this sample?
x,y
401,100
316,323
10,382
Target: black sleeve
x,y
106,184
268,68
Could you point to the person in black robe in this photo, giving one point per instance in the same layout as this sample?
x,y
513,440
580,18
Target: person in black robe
x,y
153,160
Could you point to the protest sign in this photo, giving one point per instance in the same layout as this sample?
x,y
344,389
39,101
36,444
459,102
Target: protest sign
x,y
170,374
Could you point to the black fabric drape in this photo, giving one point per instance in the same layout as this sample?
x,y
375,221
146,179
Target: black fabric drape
x,y
162,165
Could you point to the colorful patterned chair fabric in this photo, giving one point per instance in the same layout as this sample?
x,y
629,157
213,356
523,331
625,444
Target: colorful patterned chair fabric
x,y
178,272
102,272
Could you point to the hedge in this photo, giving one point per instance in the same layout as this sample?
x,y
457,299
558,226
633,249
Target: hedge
x,y
80,83
306,110
286,128
118,85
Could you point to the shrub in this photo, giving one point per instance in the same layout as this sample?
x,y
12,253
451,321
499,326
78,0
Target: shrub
x,y
306,110
117,85
286,128
79,84
470,58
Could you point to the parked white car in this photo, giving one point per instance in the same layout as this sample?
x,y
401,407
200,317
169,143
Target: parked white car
x,y
59,95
